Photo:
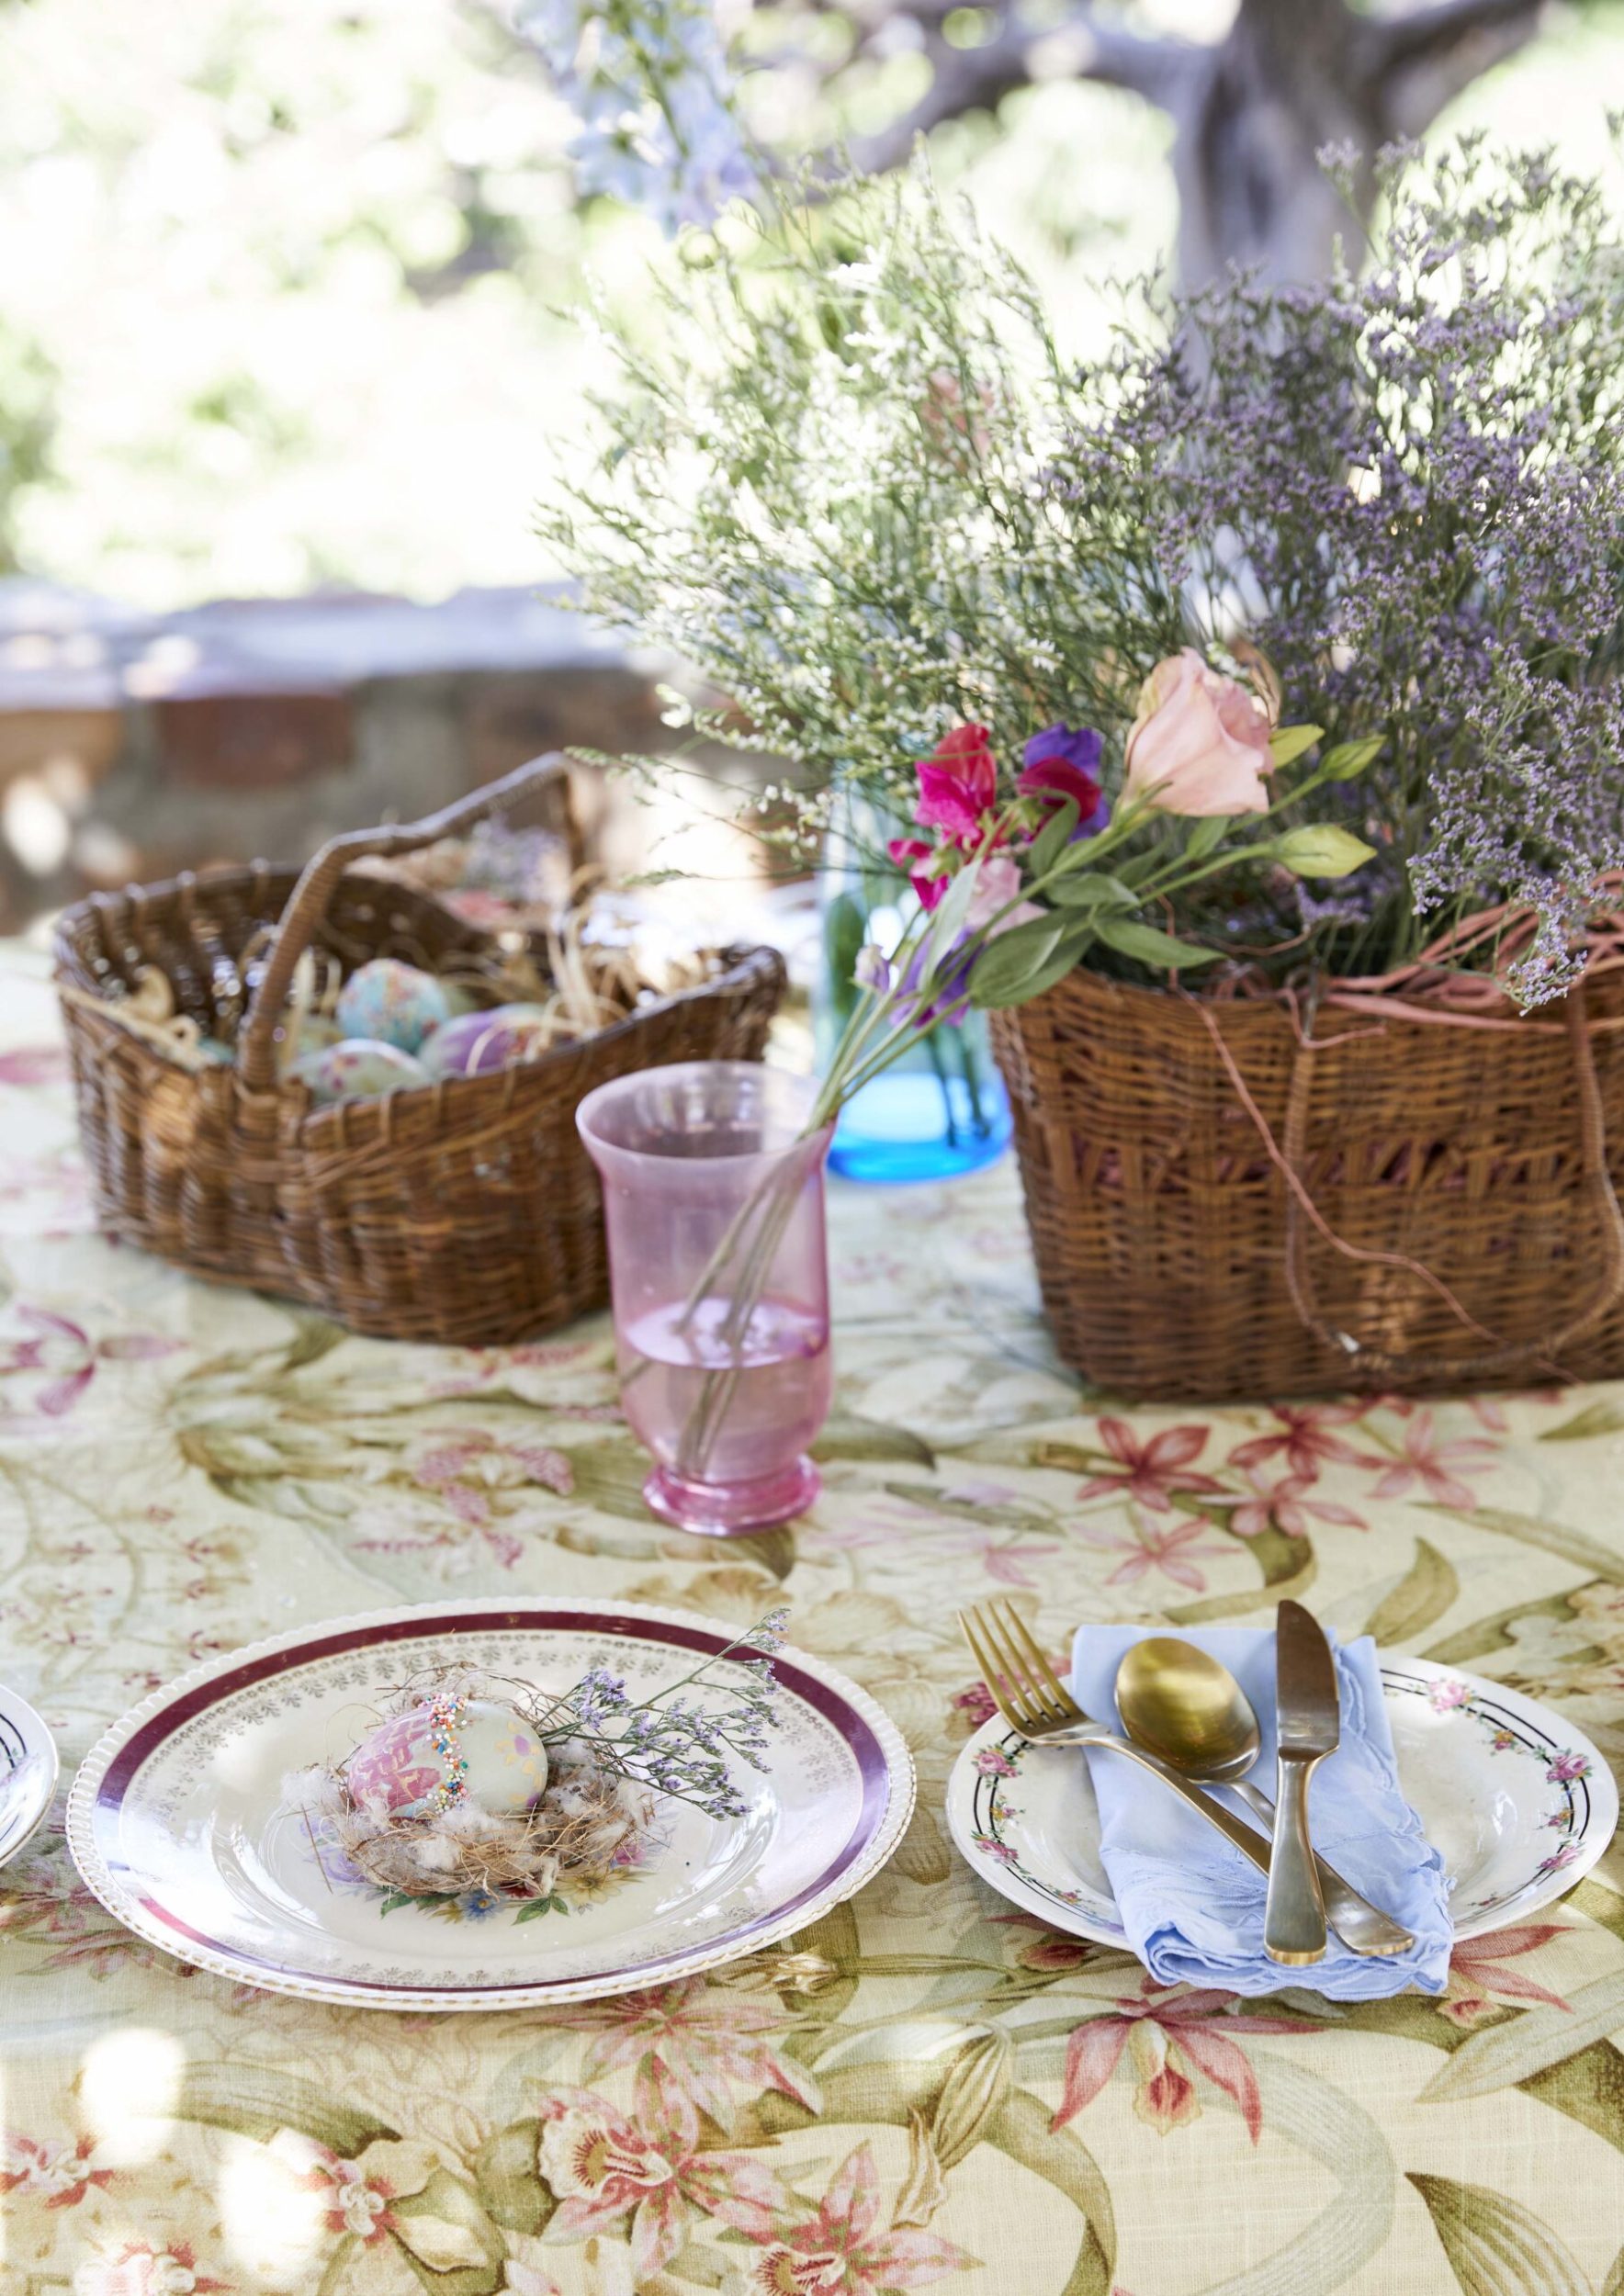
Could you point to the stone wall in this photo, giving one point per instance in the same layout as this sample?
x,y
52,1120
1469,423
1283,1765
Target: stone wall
x,y
132,746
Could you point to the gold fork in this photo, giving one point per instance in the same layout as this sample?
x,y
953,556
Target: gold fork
x,y
1032,1701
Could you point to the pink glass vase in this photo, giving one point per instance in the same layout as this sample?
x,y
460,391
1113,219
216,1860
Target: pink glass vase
x,y
719,1276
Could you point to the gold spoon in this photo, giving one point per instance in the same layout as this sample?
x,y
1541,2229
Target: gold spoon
x,y
1177,1702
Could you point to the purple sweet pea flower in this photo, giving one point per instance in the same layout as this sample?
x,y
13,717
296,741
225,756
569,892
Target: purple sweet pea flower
x,y
1063,762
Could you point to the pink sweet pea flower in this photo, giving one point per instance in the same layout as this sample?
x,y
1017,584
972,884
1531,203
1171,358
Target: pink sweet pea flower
x,y
997,886
1199,744
907,853
958,785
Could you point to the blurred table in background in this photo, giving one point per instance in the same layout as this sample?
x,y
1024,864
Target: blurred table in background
x,y
183,1468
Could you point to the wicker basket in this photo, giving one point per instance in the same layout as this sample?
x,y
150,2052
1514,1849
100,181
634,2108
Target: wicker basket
x,y
464,1212
1224,1203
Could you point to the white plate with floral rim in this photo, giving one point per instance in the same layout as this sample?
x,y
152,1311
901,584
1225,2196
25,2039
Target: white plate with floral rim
x,y
28,1766
179,1820
1516,1801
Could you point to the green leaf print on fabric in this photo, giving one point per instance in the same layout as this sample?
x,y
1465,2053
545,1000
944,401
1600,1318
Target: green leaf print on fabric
x,y
1418,1601
1495,2247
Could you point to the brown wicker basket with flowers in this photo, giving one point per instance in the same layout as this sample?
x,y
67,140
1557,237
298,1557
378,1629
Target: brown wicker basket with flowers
x,y
1410,1189
463,1211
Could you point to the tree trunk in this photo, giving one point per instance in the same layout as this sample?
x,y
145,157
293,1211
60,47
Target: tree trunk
x,y
1253,113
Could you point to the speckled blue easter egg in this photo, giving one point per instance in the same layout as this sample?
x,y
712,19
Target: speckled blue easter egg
x,y
477,1043
391,1003
358,1069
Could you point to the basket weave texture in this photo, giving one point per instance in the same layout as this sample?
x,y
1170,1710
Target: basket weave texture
x,y
1432,1208
464,1212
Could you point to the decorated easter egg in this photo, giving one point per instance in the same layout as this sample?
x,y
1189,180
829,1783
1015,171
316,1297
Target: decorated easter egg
x,y
449,1750
477,1043
312,1032
357,1069
391,1003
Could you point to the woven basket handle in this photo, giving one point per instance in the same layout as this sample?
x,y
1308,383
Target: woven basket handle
x,y
307,904
1491,1361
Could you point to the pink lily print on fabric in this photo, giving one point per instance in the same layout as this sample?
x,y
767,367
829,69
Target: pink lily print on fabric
x,y
1284,1507
1304,1440
1165,2029
68,1357
603,2167
709,2044
1437,1467
1151,1471
843,2248
352,2201
58,2175
1478,1983
1171,1548
139,2269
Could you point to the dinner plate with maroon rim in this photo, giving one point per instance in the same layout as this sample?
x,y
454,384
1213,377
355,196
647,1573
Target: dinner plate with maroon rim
x,y
182,1823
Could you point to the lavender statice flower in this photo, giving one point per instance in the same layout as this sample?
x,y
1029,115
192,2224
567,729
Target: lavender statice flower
x,y
684,1747
1408,487
597,1696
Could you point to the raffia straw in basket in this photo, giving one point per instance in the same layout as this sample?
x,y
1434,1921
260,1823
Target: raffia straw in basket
x,y
1409,1189
463,1211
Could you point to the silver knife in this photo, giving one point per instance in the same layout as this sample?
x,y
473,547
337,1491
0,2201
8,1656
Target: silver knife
x,y
1308,1724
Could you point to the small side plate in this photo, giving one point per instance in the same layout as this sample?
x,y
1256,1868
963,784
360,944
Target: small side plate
x,y
1519,1803
28,1767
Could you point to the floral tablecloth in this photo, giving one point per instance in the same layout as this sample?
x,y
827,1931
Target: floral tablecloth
x,y
925,2089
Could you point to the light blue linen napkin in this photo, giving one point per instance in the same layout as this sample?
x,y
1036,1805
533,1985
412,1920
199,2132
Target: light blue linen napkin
x,y
1191,1904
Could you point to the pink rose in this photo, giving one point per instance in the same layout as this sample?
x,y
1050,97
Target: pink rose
x,y
1199,744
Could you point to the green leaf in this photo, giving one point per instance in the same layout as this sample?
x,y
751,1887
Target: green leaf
x,y
1495,2247
1207,836
1052,839
1555,1538
1288,743
1418,1601
1288,1567
1005,965
924,2188
848,1436
1348,760
948,921
1505,2055
1064,960
773,1550
509,2181
978,2083
1321,850
1595,1419
1588,2086
255,2101
446,2201
1093,889
534,1908
922,1854
1131,937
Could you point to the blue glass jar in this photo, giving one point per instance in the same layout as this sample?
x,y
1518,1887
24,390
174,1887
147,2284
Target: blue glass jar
x,y
941,1108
